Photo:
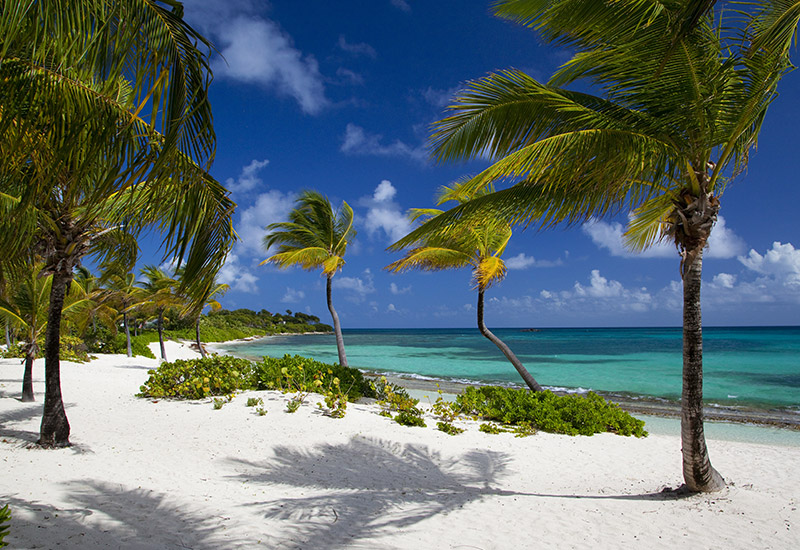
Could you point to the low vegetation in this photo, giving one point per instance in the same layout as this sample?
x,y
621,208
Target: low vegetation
x,y
516,411
546,411
5,515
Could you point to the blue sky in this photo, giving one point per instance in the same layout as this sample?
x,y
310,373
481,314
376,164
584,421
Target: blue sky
x,y
339,97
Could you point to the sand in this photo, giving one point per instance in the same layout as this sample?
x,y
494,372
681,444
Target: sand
x,y
145,473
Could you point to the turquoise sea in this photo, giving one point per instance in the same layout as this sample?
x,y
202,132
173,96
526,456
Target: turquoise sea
x,y
744,367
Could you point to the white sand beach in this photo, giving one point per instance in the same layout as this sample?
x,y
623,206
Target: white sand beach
x,y
145,473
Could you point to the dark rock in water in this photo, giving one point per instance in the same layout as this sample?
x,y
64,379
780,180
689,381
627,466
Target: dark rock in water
x,y
530,330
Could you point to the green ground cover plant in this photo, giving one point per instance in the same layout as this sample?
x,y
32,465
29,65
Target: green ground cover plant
x,y
5,515
546,411
199,378
296,373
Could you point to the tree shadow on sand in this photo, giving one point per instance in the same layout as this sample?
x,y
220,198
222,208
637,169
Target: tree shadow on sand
x,y
368,487
102,515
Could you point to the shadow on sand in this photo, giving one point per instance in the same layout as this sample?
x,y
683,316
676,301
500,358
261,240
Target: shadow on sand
x,y
369,487
122,518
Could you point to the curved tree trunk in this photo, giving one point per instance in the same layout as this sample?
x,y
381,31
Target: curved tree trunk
x,y
523,372
54,431
27,377
337,328
197,336
698,473
127,333
161,335
8,336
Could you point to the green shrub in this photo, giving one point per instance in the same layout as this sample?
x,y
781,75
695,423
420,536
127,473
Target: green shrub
x,y
546,411
5,515
409,418
296,373
254,401
448,428
491,428
199,378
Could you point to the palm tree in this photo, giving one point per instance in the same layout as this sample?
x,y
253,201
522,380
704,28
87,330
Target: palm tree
x,y
26,307
476,242
194,305
315,237
122,292
160,295
684,91
106,131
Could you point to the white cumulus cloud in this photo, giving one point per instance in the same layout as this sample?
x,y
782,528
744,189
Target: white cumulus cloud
x,y
384,216
292,296
248,178
270,207
781,261
722,244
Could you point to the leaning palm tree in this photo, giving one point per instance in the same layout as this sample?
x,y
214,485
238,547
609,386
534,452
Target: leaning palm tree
x,y
684,91
105,132
315,237
475,242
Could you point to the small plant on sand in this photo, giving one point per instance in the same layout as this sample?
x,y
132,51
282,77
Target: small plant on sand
x,y
491,428
335,398
219,402
447,411
410,418
5,515
254,401
393,398
448,428
261,411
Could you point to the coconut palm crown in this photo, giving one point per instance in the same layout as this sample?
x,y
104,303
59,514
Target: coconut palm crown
x,y
682,90
478,242
315,237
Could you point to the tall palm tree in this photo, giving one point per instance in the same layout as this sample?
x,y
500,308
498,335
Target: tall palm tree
x,y
160,295
683,93
105,132
476,242
315,237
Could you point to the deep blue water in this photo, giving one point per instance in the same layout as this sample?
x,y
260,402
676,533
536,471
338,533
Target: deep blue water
x,y
743,366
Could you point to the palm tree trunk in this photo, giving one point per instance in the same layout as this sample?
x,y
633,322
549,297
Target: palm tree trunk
x,y
337,328
197,335
8,336
698,473
27,377
523,372
127,333
161,335
54,431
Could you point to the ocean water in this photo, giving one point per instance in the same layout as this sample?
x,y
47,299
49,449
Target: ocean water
x,y
748,367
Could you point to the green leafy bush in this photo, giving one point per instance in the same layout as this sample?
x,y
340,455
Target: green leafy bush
x,y
409,418
546,411
491,428
296,373
448,428
199,378
72,349
5,515
254,401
